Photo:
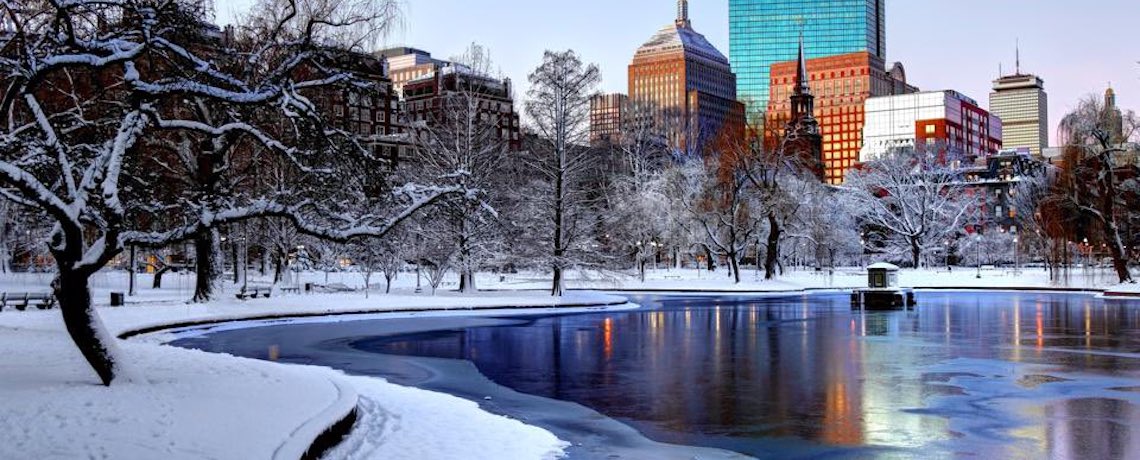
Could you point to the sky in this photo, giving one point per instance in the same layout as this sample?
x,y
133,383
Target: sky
x,y
1077,47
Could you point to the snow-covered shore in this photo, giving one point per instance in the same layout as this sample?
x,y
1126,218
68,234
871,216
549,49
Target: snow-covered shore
x,y
189,404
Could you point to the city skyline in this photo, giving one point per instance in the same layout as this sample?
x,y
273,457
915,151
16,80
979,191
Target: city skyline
x,y
1072,67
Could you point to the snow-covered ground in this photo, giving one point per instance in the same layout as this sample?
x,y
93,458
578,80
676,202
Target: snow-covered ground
x,y
189,404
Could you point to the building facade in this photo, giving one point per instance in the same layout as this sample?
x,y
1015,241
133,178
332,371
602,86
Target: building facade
x,y
1023,106
690,84
945,123
764,32
406,64
841,85
423,98
607,112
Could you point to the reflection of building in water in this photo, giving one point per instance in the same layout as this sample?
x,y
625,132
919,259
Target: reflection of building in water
x,y
891,385
1091,428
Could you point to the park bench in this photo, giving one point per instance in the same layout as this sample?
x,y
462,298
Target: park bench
x,y
253,292
23,300
290,289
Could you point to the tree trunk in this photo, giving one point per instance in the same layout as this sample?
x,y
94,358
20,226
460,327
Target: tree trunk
x,y
467,282
735,266
133,266
84,325
388,284
709,257
237,261
556,286
772,255
207,247
915,253
641,268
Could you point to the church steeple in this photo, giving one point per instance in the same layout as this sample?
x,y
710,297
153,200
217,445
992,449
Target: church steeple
x,y
802,82
802,138
683,14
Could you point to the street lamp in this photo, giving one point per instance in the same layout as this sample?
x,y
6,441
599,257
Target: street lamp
x,y
978,251
862,251
1016,255
947,246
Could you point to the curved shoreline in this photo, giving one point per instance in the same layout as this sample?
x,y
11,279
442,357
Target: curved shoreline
x,y
336,431
320,434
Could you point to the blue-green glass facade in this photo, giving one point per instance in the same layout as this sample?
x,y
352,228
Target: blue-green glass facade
x,y
764,32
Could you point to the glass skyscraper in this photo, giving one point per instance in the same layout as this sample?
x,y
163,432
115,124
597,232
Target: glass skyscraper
x,y
764,32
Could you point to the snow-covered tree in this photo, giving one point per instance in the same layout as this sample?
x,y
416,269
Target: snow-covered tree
x,y
464,135
636,216
912,200
559,110
1093,186
85,81
718,192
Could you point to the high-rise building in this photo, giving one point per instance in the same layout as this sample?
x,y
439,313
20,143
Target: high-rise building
x,y
764,32
841,84
689,82
1023,106
607,112
945,123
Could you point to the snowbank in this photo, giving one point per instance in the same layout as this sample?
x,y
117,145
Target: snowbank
x,y
189,404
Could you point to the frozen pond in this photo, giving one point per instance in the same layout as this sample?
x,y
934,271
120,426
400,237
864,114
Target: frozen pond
x,y
985,375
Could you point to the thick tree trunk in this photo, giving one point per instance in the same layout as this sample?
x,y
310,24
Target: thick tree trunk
x,y
556,285
84,325
467,282
207,247
641,268
388,283
915,253
735,266
709,257
772,255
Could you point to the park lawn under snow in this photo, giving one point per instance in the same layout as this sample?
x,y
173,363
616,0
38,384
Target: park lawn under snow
x,y
189,404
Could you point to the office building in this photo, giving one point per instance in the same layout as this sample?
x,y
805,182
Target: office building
x,y
841,85
689,82
764,32
1023,106
943,123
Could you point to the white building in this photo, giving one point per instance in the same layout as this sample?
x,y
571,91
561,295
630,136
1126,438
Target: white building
x,y
946,120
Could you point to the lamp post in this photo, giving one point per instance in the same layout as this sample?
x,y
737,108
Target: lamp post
x,y
862,251
978,251
1016,255
947,246
419,289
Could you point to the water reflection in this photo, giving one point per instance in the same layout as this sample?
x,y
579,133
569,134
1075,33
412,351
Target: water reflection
x,y
994,375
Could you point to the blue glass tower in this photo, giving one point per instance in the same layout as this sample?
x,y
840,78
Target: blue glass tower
x,y
764,32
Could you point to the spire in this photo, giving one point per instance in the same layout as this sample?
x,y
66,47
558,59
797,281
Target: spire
x,y
1017,47
683,13
802,86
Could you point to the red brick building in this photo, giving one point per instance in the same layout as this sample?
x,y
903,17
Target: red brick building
x,y
423,96
689,82
841,84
